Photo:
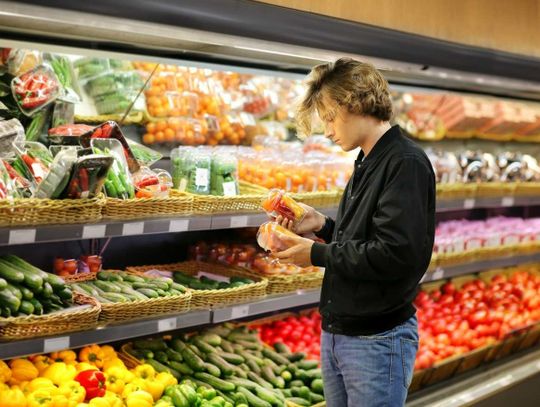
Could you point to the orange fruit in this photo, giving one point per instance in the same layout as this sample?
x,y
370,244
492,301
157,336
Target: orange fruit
x,y
151,127
161,126
160,137
148,138
169,135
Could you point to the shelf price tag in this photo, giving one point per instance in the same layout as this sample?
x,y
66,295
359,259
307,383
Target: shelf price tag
x,y
93,231
55,344
468,203
133,228
507,201
179,225
22,236
239,221
438,274
167,324
240,311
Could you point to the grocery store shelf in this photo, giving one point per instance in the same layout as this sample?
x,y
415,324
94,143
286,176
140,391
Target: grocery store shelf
x,y
447,205
112,333
470,389
299,298
441,273
104,334
55,233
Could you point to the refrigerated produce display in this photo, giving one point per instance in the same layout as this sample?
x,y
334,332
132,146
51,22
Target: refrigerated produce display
x,y
138,195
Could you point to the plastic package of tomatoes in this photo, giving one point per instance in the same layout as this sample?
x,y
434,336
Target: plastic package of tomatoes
x,y
35,89
269,237
279,203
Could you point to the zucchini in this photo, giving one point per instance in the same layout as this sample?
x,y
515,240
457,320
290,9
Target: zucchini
x,y
253,400
22,264
215,382
32,279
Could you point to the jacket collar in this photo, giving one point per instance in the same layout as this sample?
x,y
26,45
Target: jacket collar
x,y
379,147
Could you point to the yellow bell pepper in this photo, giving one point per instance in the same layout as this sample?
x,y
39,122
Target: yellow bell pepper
x,y
166,379
41,362
114,399
60,401
12,398
115,385
139,398
22,370
155,388
99,402
92,354
82,405
73,391
164,403
109,353
5,372
145,371
40,398
66,356
40,383
131,388
113,363
82,366
59,373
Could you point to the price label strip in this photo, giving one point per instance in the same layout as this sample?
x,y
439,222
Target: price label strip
x,y
22,236
167,324
133,228
239,221
94,231
507,201
438,274
240,311
179,225
55,344
468,203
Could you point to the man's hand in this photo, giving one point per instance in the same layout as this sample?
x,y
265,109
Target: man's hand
x,y
313,221
298,253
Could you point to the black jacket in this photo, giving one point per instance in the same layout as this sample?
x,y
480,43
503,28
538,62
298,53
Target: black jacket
x,y
380,244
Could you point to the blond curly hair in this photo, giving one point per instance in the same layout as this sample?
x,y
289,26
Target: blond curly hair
x,y
358,86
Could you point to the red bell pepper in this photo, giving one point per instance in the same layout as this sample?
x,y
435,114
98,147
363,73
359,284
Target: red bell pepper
x,y
94,383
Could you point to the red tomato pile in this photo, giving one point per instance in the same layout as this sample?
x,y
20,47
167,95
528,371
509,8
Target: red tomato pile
x,y
300,334
453,321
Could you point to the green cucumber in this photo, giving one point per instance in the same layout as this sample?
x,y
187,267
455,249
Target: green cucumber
x,y
159,367
9,300
232,358
109,276
317,386
248,384
132,278
178,287
296,357
174,355
203,346
282,348
212,369
299,401
3,283
115,297
26,293
9,273
314,374
65,293
259,380
178,345
150,344
296,383
222,364
161,357
267,395
192,359
15,291
26,307
148,292
253,400
107,286
236,279
183,368
189,393
316,398
253,366
307,364
211,339
38,308
276,357
215,382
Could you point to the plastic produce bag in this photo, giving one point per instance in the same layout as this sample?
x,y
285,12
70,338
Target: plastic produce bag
x,y
88,176
118,183
280,203
58,177
23,187
63,68
144,155
68,134
224,177
7,188
63,113
35,89
268,237
199,164
88,68
114,82
152,183
111,130
180,174
11,137
20,61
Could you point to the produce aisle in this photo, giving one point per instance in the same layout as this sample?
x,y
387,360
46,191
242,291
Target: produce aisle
x,y
132,270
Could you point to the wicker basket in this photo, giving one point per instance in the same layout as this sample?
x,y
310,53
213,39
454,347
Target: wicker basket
x,y
496,189
134,118
527,189
319,199
125,355
249,200
177,204
52,324
139,309
34,211
211,298
456,191
286,283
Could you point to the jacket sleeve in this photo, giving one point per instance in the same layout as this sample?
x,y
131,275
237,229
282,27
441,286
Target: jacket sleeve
x,y
400,230
327,230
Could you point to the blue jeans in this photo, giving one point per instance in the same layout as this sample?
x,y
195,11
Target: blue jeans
x,y
369,371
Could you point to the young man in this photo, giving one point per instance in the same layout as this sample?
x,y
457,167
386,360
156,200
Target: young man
x,y
378,247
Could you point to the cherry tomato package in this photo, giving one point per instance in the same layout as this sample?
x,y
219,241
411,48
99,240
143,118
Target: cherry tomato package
x,y
268,237
35,89
280,203
68,134
152,183
88,176
111,130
